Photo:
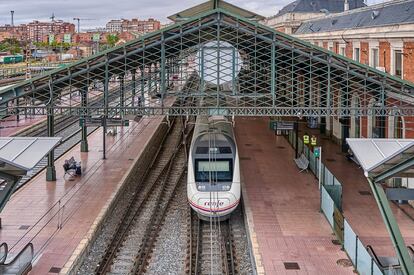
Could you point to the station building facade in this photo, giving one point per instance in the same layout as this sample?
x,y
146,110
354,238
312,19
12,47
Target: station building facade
x,y
380,36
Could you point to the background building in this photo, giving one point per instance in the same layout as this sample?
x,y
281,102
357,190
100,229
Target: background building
x,y
380,36
289,18
134,25
114,25
39,31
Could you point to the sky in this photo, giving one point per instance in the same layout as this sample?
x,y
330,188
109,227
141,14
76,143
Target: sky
x,y
100,11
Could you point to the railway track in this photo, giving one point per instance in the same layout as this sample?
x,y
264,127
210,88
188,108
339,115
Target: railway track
x,y
131,247
66,127
211,250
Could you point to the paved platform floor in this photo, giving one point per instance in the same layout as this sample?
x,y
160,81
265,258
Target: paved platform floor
x,y
9,126
284,205
362,210
55,216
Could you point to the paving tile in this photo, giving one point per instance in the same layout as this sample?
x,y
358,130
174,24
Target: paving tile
x,y
285,205
37,203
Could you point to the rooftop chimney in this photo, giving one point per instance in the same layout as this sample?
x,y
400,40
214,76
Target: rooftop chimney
x,y
346,5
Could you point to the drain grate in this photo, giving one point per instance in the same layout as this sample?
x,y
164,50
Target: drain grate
x,y
291,266
364,193
330,160
344,262
280,147
24,227
245,158
336,242
54,269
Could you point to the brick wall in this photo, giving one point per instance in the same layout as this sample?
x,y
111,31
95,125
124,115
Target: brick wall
x,y
349,50
364,53
409,126
408,60
385,56
336,47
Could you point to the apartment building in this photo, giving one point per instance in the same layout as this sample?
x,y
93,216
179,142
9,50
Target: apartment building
x,y
134,25
40,31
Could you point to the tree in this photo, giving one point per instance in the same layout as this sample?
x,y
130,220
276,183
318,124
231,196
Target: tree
x,y
112,39
10,45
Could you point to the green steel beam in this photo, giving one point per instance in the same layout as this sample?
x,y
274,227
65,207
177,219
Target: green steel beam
x,y
122,94
84,127
106,104
404,258
134,88
50,169
273,72
163,70
393,171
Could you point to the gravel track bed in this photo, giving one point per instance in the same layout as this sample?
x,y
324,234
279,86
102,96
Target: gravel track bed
x,y
106,233
170,249
240,243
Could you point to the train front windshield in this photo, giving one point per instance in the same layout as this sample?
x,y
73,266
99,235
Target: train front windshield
x,y
219,170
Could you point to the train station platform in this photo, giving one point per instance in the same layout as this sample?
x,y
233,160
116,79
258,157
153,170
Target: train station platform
x,y
10,126
56,216
358,203
288,232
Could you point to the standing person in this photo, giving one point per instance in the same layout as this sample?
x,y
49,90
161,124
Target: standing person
x,y
313,141
306,139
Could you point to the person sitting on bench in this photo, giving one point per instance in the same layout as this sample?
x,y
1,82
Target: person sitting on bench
x,y
72,165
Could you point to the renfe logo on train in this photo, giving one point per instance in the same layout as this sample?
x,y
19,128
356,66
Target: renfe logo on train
x,y
214,203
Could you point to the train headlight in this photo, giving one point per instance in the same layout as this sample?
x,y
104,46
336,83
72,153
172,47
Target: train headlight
x,y
201,187
225,187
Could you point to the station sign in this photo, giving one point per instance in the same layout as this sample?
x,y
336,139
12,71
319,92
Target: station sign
x,y
316,152
281,125
99,121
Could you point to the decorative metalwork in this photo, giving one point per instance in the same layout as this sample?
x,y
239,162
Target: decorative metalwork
x,y
231,65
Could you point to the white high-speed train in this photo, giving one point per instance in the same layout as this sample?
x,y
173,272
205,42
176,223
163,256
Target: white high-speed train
x,y
213,179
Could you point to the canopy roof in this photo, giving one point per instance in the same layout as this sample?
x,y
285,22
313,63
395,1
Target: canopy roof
x,y
211,5
378,156
20,154
263,73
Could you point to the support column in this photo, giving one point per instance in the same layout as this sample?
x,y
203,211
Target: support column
x,y
121,95
273,72
84,104
163,71
141,100
50,170
134,86
106,105
391,224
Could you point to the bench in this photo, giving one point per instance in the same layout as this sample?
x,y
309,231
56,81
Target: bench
x,y
302,162
72,167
